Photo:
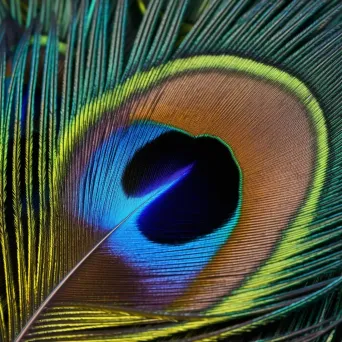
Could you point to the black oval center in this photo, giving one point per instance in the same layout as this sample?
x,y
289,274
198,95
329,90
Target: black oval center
x,y
204,191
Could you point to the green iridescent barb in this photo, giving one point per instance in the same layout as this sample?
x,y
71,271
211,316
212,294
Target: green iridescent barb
x,y
170,170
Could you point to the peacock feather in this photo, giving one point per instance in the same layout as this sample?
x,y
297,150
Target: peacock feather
x,y
170,170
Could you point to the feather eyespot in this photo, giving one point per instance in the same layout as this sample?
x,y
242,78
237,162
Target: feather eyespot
x,y
157,171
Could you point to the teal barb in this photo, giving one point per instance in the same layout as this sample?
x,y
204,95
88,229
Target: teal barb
x,y
170,170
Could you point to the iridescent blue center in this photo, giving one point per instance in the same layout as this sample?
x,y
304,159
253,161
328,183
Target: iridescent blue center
x,y
184,193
